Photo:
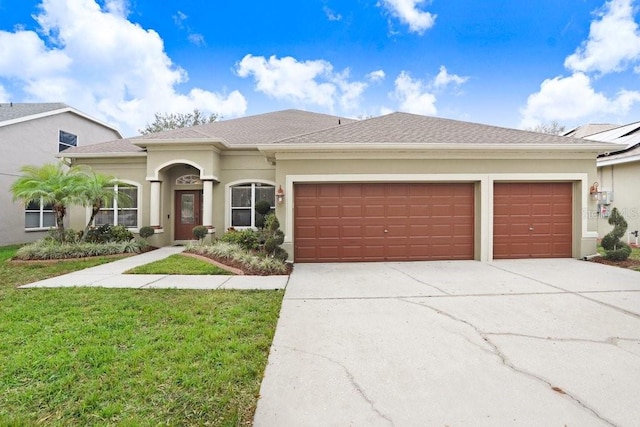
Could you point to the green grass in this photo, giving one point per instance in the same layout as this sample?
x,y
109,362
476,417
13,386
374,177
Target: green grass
x,y
179,264
89,356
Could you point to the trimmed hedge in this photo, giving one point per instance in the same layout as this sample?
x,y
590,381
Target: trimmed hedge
x,y
44,250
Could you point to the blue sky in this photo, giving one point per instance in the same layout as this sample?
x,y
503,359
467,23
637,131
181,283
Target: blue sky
x,y
502,62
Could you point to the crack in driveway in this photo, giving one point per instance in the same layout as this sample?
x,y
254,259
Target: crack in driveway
x,y
576,293
422,282
350,376
506,362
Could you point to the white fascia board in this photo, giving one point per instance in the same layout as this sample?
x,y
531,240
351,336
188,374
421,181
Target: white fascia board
x,y
608,162
179,141
99,155
591,148
59,111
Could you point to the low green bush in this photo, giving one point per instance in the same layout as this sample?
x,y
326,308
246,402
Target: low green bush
x,y
250,261
109,233
47,250
200,232
147,231
248,239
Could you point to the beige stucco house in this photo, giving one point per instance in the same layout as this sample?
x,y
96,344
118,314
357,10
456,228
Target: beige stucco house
x,y
395,187
618,178
33,134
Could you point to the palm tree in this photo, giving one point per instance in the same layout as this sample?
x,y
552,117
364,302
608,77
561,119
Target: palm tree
x,y
49,184
97,191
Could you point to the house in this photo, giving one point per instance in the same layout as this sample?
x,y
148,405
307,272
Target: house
x,y
618,178
33,134
395,187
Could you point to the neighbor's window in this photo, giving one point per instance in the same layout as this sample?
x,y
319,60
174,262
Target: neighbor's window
x,y
66,140
113,214
243,201
39,215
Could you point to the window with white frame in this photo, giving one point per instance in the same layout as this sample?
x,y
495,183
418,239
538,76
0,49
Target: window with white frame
x,y
66,140
113,214
243,201
39,215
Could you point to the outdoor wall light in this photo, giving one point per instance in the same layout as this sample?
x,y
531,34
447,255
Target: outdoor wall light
x,y
280,194
593,190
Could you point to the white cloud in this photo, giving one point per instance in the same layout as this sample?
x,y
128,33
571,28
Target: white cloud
x,y
196,39
330,14
179,19
413,95
376,76
99,62
408,12
4,95
444,79
572,98
613,43
302,82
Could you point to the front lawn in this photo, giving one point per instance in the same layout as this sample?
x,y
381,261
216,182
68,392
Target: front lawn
x,y
93,356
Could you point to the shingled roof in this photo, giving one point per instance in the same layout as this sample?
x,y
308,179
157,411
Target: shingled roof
x,y
252,130
405,128
14,111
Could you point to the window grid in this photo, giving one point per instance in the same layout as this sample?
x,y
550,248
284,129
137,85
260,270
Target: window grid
x,y
114,215
243,214
38,215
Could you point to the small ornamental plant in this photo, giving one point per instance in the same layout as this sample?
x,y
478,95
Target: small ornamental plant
x,y
200,232
147,232
614,248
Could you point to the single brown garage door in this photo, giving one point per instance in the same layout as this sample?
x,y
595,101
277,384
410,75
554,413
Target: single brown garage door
x,y
383,222
532,220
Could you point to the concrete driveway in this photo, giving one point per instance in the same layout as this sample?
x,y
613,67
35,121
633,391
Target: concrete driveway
x,y
523,342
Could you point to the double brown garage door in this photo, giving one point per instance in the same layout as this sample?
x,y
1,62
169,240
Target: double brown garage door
x,y
427,221
383,222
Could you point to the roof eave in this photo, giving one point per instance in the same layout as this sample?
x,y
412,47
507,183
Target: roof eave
x,y
59,111
143,143
99,155
582,147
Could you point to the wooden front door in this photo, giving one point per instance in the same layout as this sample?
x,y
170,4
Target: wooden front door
x,y
188,213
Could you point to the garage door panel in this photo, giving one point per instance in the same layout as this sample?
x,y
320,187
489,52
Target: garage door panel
x,y
421,221
533,220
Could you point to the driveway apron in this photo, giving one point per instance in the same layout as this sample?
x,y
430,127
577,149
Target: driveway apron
x,y
517,342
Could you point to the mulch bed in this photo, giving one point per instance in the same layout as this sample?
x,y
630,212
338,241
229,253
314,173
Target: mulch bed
x,y
628,263
235,267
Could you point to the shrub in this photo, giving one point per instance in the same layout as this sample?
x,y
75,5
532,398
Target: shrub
x,y
147,231
46,250
247,239
200,232
614,248
70,236
273,238
234,254
108,233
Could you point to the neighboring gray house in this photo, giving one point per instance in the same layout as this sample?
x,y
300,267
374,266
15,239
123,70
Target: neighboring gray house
x,y
618,178
32,134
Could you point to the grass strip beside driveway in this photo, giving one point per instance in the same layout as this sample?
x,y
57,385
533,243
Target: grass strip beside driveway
x,y
94,356
179,264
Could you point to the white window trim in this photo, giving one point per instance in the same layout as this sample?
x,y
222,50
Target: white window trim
x,y
41,211
139,208
227,199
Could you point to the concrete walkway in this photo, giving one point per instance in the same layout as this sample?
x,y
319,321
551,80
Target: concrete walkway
x,y
111,275
508,343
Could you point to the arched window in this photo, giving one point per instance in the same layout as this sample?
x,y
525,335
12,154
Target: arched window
x,y
113,214
243,201
188,179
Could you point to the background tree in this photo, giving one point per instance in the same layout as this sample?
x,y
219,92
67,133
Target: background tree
x,y
96,191
168,121
49,184
553,128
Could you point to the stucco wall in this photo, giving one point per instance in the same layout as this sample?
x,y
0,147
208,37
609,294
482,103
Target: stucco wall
x,y
35,142
624,181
